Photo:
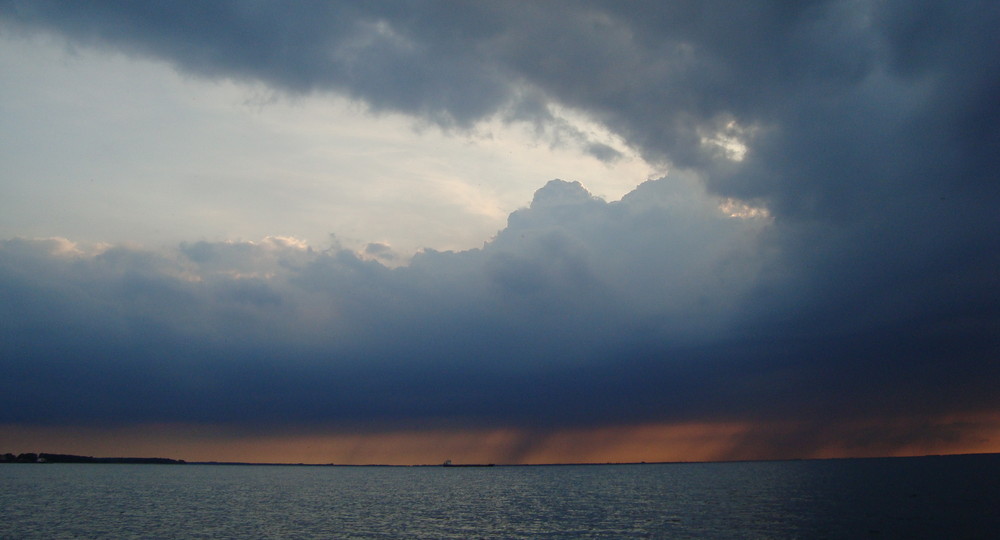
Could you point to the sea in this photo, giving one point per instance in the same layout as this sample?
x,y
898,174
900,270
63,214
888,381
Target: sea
x,y
926,497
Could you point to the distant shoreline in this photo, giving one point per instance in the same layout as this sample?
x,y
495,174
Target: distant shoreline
x,y
70,458
46,458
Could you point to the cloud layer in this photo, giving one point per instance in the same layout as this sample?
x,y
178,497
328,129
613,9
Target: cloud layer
x,y
868,131
518,331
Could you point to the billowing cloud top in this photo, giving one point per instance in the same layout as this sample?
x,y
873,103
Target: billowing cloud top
x,y
246,331
867,130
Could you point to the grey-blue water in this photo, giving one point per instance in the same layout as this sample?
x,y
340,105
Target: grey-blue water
x,y
945,497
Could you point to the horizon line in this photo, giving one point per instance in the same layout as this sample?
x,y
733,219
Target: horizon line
x,y
446,463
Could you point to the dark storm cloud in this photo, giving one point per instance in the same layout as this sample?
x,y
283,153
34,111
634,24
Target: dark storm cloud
x,y
871,133
368,50
580,312
527,330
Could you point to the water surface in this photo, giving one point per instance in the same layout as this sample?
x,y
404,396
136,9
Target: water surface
x,y
944,497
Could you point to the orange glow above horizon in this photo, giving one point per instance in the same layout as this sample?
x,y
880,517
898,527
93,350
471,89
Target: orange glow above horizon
x,y
620,444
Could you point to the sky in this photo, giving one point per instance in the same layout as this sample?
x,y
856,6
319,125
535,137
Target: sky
x,y
505,232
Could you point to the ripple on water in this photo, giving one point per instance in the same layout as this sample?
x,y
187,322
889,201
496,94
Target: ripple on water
x,y
914,498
